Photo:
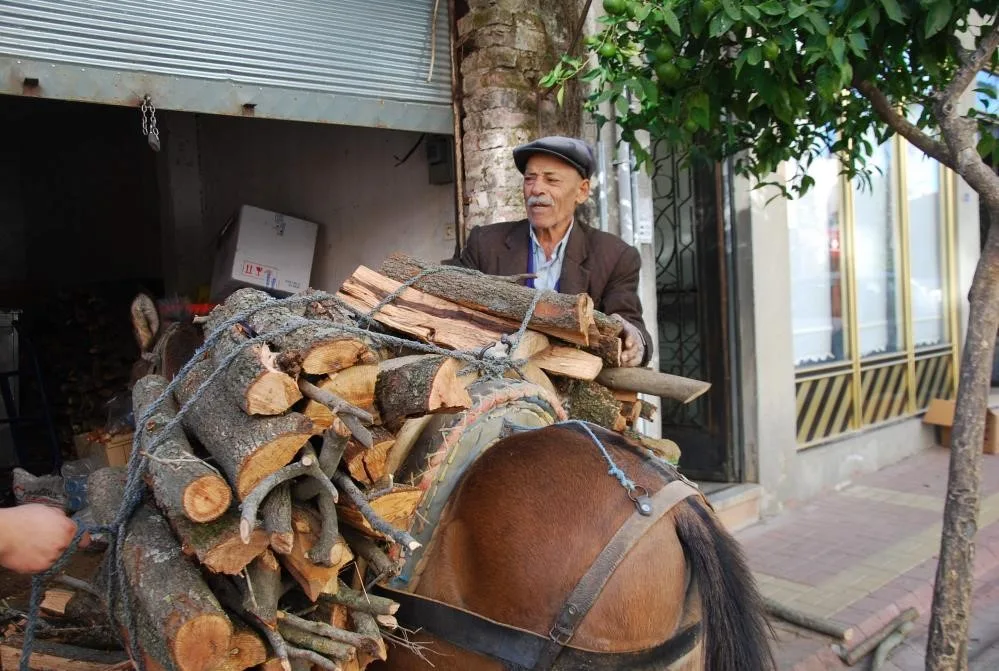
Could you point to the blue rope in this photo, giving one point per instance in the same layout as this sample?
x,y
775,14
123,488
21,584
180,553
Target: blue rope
x,y
135,485
613,469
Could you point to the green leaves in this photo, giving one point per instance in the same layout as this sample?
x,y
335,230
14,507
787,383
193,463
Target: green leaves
x,y
732,10
772,7
893,10
939,16
673,23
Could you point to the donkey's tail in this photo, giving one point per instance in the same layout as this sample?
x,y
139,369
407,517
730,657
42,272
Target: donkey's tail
x,y
735,627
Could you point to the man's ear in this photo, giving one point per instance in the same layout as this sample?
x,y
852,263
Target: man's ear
x,y
584,191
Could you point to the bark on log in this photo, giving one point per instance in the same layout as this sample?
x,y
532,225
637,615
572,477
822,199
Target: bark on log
x,y
253,378
261,588
217,544
362,601
315,579
592,402
565,316
276,511
315,346
378,561
366,626
648,381
247,448
182,483
350,638
417,385
184,616
664,448
305,640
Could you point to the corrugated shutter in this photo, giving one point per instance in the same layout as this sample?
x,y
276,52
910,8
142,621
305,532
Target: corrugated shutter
x,y
362,62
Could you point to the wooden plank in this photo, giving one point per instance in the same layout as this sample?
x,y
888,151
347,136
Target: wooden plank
x,y
54,600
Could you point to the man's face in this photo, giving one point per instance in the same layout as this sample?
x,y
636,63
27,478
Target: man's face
x,y
552,190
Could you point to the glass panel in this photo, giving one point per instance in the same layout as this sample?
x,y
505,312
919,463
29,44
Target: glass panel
x,y
878,263
817,290
926,248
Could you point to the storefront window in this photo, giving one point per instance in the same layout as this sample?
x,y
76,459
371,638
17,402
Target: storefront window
x,y
817,290
878,250
926,249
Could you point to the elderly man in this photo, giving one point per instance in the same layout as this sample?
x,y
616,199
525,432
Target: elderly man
x,y
566,255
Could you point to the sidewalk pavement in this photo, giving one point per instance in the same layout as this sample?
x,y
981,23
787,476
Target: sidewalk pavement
x,y
862,555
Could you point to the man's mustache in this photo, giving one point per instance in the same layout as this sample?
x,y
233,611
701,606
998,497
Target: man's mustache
x,y
539,200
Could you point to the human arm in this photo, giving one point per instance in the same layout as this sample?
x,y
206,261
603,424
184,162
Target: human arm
x,y
33,537
620,300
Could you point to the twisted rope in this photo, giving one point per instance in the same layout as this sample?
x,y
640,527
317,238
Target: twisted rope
x,y
491,367
613,469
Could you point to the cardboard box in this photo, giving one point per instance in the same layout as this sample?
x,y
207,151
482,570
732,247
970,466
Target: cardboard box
x,y
111,449
263,249
941,415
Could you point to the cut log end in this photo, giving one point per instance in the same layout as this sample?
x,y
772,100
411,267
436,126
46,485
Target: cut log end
x,y
272,393
231,556
337,355
268,459
207,498
202,643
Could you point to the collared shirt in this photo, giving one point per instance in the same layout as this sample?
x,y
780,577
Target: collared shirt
x,y
548,271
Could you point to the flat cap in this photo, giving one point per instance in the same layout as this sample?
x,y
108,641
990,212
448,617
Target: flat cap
x,y
573,151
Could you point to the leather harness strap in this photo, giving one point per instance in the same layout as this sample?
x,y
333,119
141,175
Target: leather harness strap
x,y
593,581
524,649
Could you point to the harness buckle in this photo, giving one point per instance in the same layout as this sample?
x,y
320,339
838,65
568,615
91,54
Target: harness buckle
x,y
642,500
560,635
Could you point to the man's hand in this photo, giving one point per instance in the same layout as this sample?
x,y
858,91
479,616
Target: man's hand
x,y
33,537
632,344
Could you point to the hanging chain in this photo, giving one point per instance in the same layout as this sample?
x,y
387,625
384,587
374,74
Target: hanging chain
x,y
149,128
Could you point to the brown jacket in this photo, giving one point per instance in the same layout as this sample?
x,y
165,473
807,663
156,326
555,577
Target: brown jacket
x,y
596,263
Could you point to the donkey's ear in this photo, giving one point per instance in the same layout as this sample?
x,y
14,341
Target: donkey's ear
x,y
145,321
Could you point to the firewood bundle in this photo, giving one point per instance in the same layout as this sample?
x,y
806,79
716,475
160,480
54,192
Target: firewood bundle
x,y
284,472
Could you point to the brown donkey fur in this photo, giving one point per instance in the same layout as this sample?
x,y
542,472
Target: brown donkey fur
x,y
530,517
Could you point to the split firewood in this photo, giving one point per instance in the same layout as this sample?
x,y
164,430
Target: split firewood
x,y
405,438
425,317
356,385
625,396
316,346
412,386
182,483
647,410
367,465
276,512
564,316
388,515
569,361
648,381
663,448
352,416
314,578
247,448
219,545
246,650
183,624
54,600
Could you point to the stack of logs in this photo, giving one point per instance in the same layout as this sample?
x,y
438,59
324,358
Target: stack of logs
x,y
279,492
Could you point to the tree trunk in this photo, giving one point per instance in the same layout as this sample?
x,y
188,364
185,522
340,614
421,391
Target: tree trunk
x,y
247,448
246,650
182,483
947,645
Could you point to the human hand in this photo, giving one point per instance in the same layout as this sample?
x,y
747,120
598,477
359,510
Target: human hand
x,y
33,537
632,343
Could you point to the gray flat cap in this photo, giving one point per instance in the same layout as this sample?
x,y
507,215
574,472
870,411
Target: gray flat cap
x,y
575,152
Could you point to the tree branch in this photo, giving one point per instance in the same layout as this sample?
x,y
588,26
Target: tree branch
x,y
884,109
971,64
